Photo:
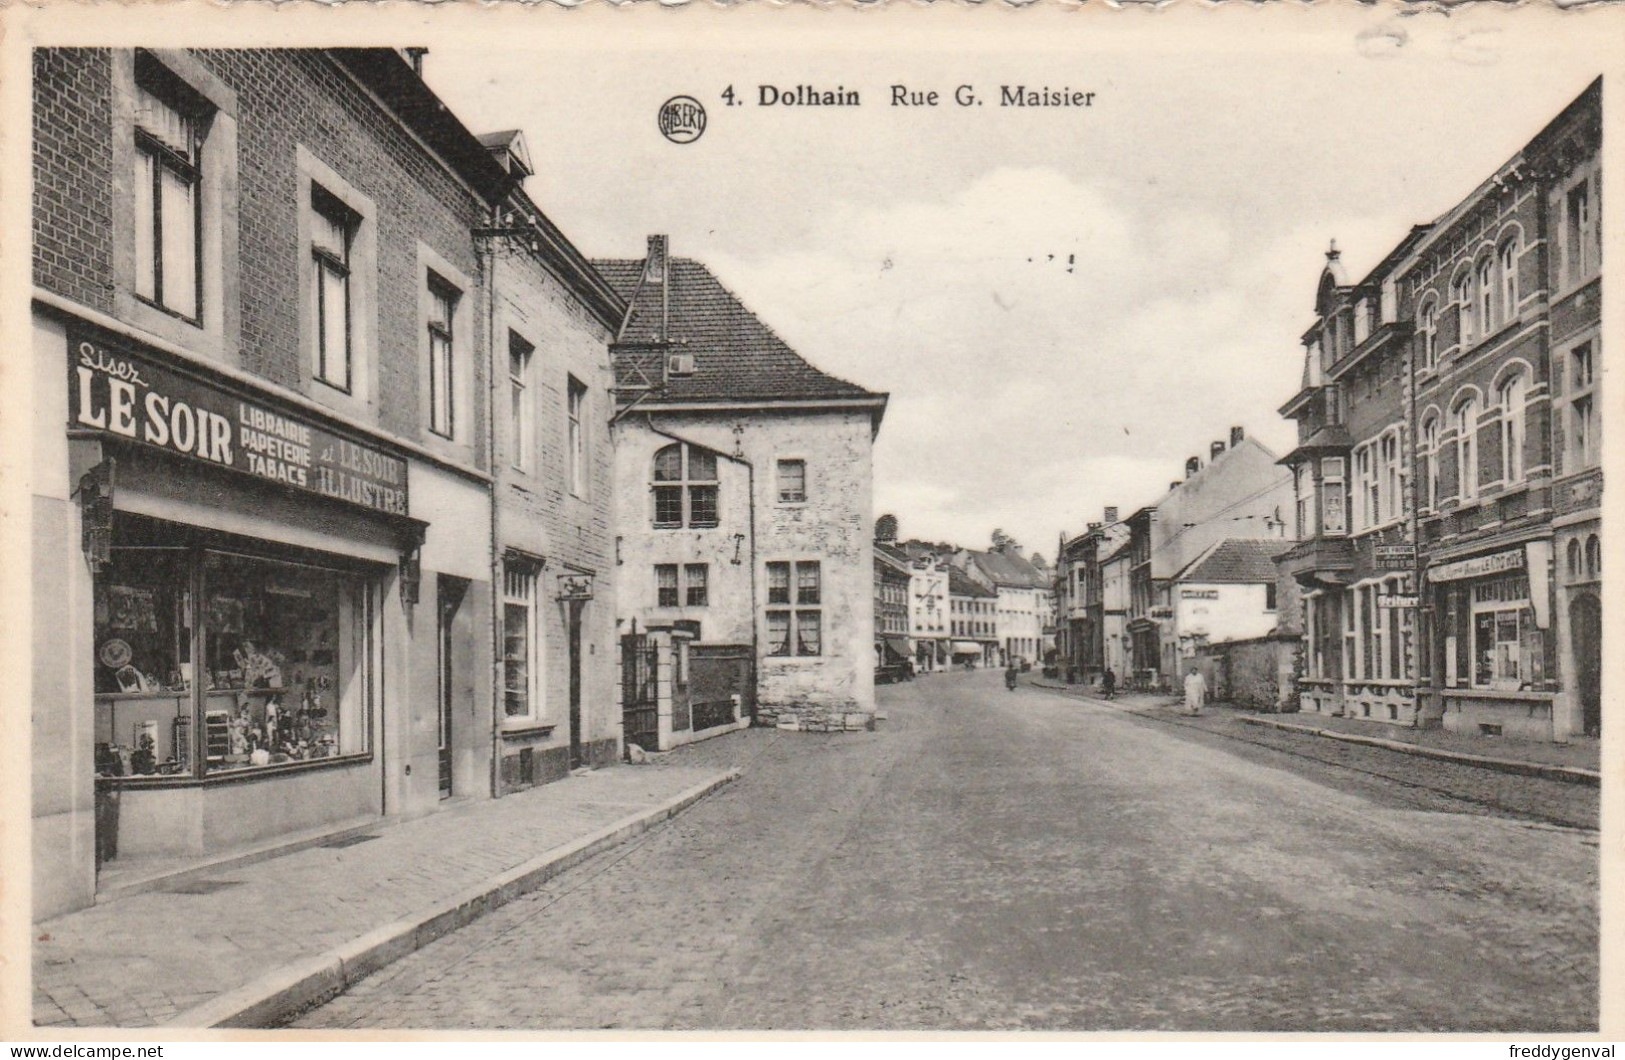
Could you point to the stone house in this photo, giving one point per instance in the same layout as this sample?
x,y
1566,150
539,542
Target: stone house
x,y
743,479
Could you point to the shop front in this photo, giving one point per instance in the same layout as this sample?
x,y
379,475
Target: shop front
x,y
227,578
1495,642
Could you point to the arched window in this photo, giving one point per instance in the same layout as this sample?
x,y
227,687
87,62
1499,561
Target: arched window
x,y
1593,557
1428,329
1486,295
1467,448
1461,292
1511,398
1509,279
685,487
1574,558
1430,462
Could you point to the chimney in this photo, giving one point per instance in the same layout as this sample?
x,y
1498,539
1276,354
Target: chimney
x,y
1175,484
415,56
1236,435
1215,451
1111,513
1192,466
1094,526
654,266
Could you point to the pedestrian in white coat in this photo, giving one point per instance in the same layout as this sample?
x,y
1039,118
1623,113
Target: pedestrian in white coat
x,y
1195,691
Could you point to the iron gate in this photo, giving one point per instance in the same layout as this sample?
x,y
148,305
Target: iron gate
x,y
640,710
718,673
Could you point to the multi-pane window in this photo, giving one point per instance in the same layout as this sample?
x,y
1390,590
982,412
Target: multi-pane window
x,y
1332,516
1467,449
1509,280
1583,446
577,437
169,124
795,618
1304,492
442,305
1581,246
792,481
1428,329
697,577
1462,294
666,593
521,433
1511,396
1393,488
1486,295
1508,650
1366,509
685,487
1430,463
332,228
519,647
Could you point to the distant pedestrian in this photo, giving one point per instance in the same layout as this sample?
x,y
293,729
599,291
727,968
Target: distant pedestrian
x,y
1195,691
1108,683
1010,675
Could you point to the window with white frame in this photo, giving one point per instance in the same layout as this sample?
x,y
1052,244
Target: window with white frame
x,y
521,429
794,616
1304,494
1486,295
1582,441
792,481
520,643
1393,477
1509,280
1366,510
1508,650
1333,519
666,591
684,487
443,299
333,226
1430,463
170,122
1427,328
1467,449
577,436
1581,245
1462,294
697,584
1511,396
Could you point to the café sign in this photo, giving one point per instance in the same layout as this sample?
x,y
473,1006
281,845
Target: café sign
x,y
575,587
134,397
1477,567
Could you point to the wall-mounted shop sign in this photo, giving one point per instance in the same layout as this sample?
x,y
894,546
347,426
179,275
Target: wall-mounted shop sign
x,y
130,395
575,587
1198,594
1396,600
1396,557
1162,612
1477,566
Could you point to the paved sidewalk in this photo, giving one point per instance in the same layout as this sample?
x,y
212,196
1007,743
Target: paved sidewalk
x,y
145,959
1580,753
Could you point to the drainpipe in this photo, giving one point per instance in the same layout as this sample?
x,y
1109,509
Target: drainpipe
x,y
750,478
488,267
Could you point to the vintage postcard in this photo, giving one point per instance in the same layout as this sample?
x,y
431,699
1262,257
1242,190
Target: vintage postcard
x,y
773,519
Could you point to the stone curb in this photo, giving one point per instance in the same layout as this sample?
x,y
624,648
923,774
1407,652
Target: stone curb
x,y
1568,774
292,988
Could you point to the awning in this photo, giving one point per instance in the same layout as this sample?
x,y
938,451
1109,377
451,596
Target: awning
x,y
898,646
967,647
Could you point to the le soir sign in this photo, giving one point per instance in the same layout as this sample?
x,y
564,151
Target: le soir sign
x,y
133,396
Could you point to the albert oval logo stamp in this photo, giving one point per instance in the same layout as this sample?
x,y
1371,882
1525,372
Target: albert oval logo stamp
x,y
682,119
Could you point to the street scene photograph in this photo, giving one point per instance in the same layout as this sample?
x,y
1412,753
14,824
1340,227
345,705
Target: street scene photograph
x,y
545,521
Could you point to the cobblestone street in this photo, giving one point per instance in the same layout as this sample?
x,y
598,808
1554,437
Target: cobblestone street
x,y
1030,860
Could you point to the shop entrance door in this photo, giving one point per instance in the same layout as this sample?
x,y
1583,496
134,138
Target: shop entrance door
x,y
575,607
1585,628
450,592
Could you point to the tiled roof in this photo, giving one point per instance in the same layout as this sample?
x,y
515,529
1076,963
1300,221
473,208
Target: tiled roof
x,y
736,356
961,584
1239,560
893,556
1010,570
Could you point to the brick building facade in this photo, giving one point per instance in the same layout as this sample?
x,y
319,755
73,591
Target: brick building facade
x,y
262,467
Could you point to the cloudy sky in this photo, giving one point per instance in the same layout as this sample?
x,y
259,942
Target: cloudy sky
x,y
1063,304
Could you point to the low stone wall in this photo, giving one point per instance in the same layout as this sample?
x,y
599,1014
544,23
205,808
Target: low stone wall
x,y
813,717
1255,673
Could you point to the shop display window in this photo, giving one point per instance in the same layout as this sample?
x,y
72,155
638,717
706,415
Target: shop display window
x,y
208,662
1508,649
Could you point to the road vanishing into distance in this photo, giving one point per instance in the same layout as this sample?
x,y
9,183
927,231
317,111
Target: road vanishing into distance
x,y
997,860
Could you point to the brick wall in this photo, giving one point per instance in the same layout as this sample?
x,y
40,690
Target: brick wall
x,y
73,208
1250,673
